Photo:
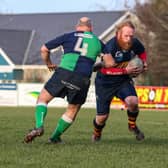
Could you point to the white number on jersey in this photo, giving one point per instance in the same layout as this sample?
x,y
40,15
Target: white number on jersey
x,y
84,48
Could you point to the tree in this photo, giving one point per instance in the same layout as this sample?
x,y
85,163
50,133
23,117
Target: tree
x,y
154,15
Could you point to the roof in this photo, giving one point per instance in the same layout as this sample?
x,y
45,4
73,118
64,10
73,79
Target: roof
x,y
23,34
15,43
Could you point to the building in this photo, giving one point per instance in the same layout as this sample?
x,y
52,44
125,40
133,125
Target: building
x,y
23,34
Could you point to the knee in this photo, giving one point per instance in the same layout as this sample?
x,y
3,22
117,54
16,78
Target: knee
x,y
44,96
72,111
101,119
73,108
132,103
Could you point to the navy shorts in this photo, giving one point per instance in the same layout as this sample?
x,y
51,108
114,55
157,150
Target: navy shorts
x,y
105,94
66,83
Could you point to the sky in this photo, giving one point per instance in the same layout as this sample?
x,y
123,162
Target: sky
x,y
50,6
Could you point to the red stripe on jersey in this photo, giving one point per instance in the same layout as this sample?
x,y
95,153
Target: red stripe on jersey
x,y
113,71
143,56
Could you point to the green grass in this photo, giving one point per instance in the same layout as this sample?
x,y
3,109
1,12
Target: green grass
x,y
118,148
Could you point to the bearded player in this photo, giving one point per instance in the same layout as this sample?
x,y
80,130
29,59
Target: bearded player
x,y
117,81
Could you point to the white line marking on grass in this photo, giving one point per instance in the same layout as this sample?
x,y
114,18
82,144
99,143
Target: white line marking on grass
x,y
155,122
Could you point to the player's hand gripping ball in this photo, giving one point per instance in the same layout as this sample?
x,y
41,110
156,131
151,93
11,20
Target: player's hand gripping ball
x,y
136,63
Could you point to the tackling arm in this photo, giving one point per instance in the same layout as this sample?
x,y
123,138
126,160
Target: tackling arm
x,y
107,62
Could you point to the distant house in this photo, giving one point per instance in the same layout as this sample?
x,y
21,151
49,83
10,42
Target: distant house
x,y
8,71
21,35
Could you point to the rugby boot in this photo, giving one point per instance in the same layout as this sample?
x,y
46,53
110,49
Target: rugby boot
x,y
137,132
33,134
57,141
96,137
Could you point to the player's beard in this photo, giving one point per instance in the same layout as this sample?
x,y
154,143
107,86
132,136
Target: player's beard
x,y
124,45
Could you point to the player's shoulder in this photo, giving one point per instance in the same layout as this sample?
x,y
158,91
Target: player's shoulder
x,y
111,45
65,35
69,33
113,40
136,41
137,46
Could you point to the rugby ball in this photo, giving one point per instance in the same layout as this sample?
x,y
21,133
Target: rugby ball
x,y
136,62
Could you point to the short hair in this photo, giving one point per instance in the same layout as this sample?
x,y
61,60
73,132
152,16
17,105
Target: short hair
x,y
84,21
123,24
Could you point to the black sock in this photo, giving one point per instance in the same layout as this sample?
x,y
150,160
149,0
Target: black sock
x,y
132,116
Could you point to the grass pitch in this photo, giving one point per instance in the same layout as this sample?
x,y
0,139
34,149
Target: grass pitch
x,y
118,148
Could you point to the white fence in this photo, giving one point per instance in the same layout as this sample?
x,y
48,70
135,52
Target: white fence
x,y
26,95
12,94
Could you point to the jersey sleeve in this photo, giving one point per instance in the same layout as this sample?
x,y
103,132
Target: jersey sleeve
x,y
111,46
140,50
104,48
55,42
138,47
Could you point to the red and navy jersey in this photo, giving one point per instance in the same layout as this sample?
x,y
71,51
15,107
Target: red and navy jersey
x,y
121,57
124,55
80,51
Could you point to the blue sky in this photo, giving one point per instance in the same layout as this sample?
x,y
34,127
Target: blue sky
x,y
41,6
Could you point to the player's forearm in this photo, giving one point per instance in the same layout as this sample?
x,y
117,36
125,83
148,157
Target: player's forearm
x,y
108,60
45,55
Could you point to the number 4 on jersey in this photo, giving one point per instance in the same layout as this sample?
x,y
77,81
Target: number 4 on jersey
x,y
83,49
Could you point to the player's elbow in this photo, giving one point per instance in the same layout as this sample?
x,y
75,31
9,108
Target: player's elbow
x,y
44,49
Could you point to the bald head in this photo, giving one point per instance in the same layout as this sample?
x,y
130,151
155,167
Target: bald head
x,y
84,24
84,21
